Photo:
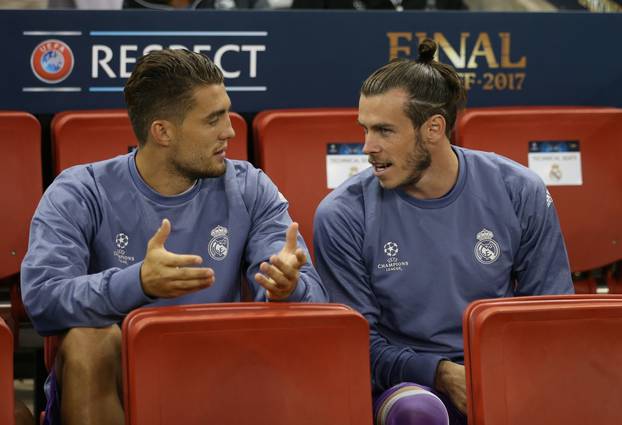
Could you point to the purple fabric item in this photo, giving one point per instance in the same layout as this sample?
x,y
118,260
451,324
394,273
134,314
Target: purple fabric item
x,y
413,404
52,405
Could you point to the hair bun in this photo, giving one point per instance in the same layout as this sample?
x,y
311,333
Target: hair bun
x,y
427,49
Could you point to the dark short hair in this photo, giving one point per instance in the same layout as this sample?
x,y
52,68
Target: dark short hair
x,y
162,86
432,87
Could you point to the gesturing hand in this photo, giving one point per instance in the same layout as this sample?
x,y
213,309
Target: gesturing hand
x,y
164,274
280,276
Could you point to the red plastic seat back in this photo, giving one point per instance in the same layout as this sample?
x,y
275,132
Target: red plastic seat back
x,y
291,147
544,360
20,185
6,374
247,363
589,213
80,137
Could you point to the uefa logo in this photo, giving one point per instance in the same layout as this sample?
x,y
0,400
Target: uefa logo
x,y
52,61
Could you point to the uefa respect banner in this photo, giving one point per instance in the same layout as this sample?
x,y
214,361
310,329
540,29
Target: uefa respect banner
x,y
61,60
52,60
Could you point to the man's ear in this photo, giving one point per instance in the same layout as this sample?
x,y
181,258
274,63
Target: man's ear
x,y
162,132
434,128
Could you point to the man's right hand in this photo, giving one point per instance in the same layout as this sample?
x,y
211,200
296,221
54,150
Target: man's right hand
x,y
164,274
451,381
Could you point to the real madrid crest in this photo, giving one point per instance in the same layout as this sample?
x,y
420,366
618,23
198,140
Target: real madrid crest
x,y
219,244
486,249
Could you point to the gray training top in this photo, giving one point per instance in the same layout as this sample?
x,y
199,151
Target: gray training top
x,y
90,231
412,266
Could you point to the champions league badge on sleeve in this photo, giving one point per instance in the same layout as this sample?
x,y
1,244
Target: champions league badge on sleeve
x,y
121,241
52,61
487,249
219,244
393,263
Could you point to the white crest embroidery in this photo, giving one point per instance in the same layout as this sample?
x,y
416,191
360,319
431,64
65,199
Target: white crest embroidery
x,y
218,247
486,250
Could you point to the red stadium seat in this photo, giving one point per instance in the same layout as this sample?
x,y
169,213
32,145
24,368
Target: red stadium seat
x,y
86,136
21,188
247,363
291,148
544,360
20,185
6,374
589,213
615,283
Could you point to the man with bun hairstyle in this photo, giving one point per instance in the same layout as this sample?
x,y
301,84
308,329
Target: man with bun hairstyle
x,y
427,229
173,222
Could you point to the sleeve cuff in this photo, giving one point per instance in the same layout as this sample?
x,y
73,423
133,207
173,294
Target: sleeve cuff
x,y
421,369
126,291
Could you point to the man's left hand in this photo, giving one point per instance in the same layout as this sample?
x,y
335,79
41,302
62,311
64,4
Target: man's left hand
x,y
280,276
451,381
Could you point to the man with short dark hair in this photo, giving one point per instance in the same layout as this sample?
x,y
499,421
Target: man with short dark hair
x,y
427,229
170,223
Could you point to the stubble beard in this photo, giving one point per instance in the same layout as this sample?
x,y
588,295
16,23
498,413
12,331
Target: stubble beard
x,y
418,161
195,173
